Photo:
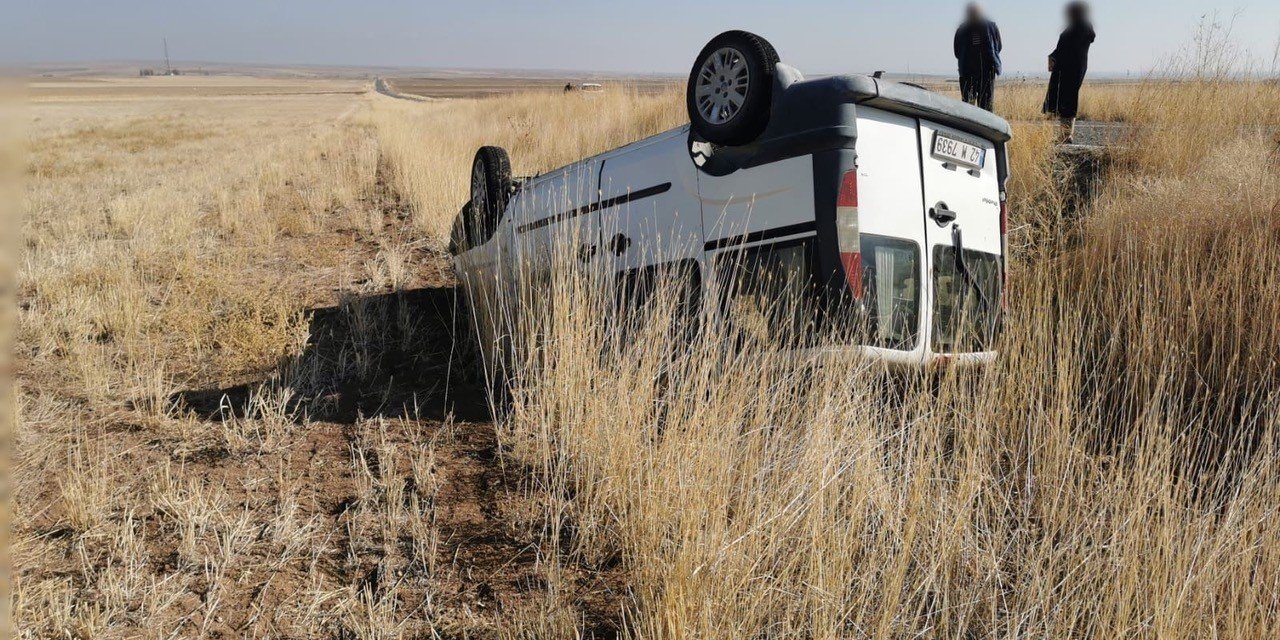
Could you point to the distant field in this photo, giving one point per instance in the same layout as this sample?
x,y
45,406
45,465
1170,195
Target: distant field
x,y
476,87
64,106
151,88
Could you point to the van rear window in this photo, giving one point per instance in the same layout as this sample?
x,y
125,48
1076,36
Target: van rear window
x,y
966,310
891,285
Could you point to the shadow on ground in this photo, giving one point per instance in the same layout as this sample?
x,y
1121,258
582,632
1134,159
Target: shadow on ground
x,y
410,355
400,354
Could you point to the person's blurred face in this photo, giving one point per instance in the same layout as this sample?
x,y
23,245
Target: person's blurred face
x,y
1077,12
973,12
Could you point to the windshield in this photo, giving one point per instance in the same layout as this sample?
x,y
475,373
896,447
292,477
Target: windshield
x,y
966,310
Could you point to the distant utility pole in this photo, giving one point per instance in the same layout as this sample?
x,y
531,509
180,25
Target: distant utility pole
x,y
168,69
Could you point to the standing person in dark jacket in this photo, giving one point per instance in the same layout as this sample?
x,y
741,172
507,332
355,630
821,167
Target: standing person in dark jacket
x,y
977,47
1067,66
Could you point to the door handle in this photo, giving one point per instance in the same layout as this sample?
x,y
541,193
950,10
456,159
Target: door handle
x,y
942,215
618,244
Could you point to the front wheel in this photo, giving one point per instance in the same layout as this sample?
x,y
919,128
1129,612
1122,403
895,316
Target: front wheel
x,y
731,88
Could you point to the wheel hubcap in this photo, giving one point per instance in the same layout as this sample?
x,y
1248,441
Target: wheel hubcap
x,y
721,85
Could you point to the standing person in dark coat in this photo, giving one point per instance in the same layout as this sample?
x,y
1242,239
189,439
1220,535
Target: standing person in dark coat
x,y
1067,66
977,47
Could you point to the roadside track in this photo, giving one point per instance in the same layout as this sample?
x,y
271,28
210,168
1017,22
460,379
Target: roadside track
x,y
382,86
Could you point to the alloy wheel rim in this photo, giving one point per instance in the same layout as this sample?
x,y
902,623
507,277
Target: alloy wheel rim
x,y
721,86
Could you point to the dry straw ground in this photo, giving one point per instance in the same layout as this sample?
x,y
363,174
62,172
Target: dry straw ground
x,y
246,408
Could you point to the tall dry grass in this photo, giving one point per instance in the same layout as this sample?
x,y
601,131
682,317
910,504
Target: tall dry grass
x,y
1114,474
163,249
430,145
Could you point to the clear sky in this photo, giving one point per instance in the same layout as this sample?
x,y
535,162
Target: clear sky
x,y
634,36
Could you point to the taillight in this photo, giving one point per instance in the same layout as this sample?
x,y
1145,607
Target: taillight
x,y
847,233
1004,221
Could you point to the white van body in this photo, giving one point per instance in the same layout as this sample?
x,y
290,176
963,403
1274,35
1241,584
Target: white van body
x,y
672,200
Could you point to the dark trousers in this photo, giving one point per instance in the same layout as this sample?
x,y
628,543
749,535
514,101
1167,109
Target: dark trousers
x,y
979,89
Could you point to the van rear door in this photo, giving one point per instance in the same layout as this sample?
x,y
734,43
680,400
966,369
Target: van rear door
x,y
963,246
892,228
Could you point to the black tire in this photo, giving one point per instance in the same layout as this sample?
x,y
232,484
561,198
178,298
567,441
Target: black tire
x,y
772,53
490,189
716,124
460,233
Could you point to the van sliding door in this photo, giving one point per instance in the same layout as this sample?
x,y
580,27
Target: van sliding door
x,y
649,208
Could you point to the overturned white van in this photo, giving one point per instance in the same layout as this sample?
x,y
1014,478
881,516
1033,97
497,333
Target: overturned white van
x,y
883,202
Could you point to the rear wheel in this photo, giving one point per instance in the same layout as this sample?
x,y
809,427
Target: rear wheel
x,y
731,87
490,188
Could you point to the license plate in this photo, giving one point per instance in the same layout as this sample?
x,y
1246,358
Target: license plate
x,y
958,151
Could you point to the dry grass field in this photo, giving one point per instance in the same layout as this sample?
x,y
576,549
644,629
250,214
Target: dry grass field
x,y
177,246
247,406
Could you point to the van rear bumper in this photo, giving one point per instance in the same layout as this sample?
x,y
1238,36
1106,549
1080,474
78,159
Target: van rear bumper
x,y
905,360
961,360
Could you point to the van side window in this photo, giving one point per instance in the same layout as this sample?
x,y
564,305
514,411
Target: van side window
x,y
459,233
678,283
778,291
490,225
772,292
471,229
484,226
